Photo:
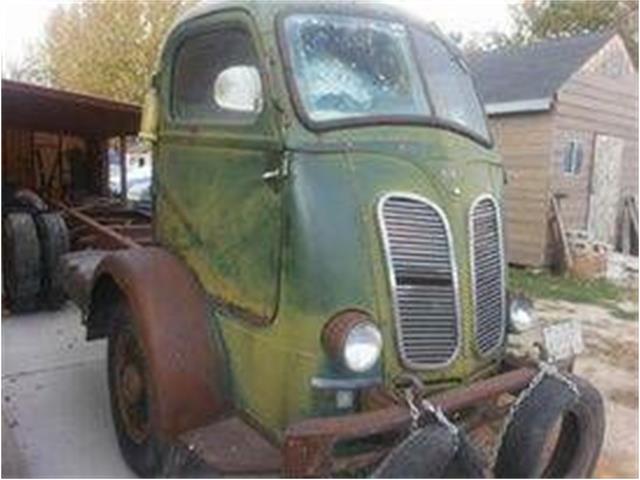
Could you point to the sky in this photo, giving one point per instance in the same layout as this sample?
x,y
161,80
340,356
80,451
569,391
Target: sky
x,y
23,20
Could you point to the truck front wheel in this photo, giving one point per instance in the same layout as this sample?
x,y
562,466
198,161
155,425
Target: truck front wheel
x,y
131,398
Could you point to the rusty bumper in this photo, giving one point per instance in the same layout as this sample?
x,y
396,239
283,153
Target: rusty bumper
x,y
308,449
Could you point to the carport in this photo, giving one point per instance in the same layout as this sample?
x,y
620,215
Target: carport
x,y
55,142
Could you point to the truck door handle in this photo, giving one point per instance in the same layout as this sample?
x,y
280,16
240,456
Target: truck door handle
x,y
279,173
271,175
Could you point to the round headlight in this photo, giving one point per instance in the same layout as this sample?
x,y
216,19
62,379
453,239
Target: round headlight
x,y
522,316
362,347
352,340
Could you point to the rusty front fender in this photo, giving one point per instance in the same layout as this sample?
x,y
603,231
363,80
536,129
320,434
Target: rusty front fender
x,y
169,310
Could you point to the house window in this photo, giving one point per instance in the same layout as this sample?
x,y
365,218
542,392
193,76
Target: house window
x,y
572,158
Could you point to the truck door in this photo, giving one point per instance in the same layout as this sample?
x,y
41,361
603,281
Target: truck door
x,y
213,206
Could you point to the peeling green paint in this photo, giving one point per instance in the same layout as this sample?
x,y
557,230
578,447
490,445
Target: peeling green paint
x,y
293,255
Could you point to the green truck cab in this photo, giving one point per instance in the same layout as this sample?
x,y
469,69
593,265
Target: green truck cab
x,y
329,283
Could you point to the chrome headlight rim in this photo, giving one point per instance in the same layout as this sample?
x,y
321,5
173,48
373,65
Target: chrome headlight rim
x,y
362,347
353,341
522,314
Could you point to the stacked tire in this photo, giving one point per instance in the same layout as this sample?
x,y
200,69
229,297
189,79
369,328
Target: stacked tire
x,y
33,240
54,242
21,269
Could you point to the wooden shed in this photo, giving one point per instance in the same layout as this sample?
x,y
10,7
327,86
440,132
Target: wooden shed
x,y
564,115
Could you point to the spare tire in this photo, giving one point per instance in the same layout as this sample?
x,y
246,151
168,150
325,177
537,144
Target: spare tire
x,y
54,242
433,451
556,431
20,262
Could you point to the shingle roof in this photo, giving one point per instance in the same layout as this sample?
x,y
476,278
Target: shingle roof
x,y
535,71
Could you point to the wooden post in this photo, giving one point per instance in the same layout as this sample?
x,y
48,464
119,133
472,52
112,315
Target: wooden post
x,y
123,168
566,251
626,228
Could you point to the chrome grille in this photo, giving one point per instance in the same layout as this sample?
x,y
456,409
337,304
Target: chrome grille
x,y
423,279
487,269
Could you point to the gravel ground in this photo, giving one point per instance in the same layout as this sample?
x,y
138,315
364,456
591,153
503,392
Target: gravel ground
x,y
56,420
610,362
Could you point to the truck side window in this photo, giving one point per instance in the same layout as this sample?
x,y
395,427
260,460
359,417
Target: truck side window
x,y
216,78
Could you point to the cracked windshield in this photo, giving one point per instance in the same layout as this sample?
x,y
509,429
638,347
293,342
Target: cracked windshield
x,y
348,68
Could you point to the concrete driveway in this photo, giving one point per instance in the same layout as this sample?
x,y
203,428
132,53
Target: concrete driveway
x,y
56,419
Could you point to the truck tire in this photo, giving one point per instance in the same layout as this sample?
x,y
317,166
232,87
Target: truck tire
x,y
553,409
30,200
131,396
54,242
21,262
432,452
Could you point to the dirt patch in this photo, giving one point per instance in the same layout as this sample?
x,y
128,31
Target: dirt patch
x,y
610,362
624,397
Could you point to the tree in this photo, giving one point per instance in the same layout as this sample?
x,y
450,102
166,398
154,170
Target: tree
x,y
538,19
29,68
107,48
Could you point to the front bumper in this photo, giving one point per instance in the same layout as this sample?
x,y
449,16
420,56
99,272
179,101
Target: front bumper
x,y
309,445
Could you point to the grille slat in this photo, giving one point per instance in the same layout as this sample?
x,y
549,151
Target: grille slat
x,y
487,273
419,251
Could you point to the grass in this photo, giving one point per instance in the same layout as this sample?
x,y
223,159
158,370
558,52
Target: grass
x,y
544,285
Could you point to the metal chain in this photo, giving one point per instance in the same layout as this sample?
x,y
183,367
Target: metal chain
x,y
545,369
553,371
414,411
417,411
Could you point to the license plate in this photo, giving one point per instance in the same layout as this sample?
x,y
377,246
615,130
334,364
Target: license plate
x,y
563,340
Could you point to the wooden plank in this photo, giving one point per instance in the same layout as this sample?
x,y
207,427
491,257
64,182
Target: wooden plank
x,y
625,109
603,83
524,142
597,116
562,236
98,228
568,121
622,99
123,168
626,231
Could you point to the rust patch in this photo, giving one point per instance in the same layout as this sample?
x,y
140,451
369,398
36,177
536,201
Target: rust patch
x,y
170,313
308,446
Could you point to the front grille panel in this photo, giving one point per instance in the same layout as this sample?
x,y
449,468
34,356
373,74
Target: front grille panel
x,y
423,279
487,273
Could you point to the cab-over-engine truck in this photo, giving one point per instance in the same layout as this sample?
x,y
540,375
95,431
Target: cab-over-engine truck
x,y
327,293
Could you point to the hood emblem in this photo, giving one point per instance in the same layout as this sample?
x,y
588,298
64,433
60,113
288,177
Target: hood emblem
x,y
450,177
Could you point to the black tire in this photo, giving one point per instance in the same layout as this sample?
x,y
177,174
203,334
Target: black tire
x,y
54,242
467,462
554,405
141,449
31,200
432,452
21,262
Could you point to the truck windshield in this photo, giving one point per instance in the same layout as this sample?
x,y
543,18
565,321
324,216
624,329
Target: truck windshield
x,y
347,68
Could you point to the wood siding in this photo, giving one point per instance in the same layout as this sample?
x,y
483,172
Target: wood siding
x,y
598,99
524,141
55,165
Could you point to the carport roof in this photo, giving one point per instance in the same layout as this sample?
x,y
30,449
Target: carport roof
x,y
44,109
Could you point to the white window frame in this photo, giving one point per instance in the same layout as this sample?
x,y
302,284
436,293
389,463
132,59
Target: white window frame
x,y
571,148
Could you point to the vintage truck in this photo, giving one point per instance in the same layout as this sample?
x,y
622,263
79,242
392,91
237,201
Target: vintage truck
x,y
327,289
